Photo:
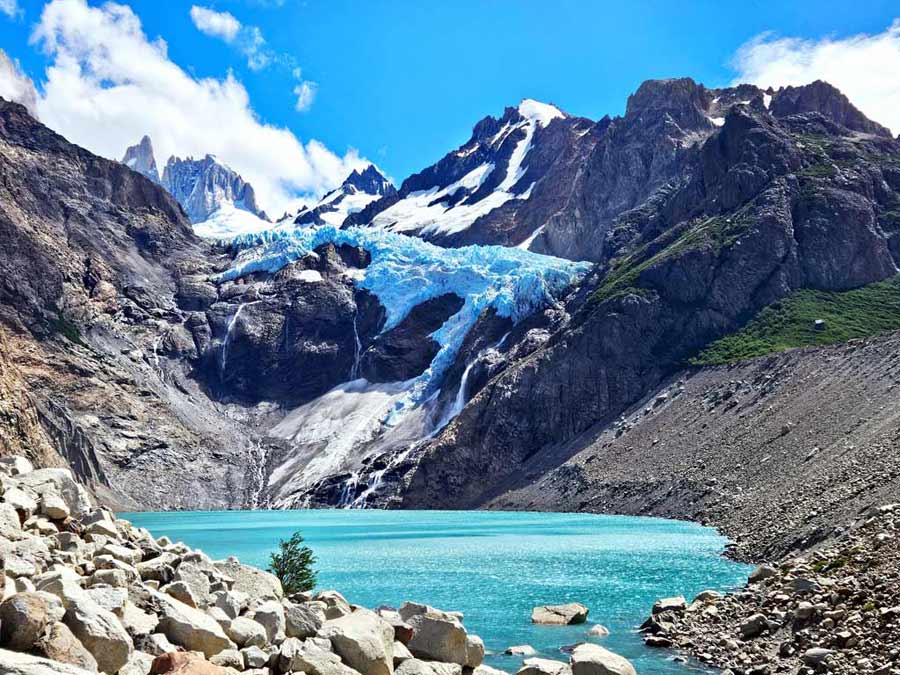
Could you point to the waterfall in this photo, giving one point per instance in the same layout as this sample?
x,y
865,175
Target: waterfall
x,y
228,333
347,492
462,393
354,371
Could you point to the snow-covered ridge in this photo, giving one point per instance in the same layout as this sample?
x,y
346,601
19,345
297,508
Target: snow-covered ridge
x,y
406,271
437,212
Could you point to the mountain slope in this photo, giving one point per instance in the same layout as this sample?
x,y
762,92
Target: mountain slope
x,y
764,206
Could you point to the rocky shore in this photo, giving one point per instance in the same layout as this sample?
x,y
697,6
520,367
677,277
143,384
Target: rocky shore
x,y
85,592
833,609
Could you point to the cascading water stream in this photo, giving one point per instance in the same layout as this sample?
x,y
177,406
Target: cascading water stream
x,y
354,371
462,393
259,458
228,333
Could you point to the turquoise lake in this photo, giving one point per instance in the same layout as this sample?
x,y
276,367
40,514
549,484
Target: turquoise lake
x,y
492,566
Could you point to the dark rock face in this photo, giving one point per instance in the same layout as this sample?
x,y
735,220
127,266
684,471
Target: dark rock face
x,y
289,337
823,98
762,207
202,186
94,347
406,350
140,158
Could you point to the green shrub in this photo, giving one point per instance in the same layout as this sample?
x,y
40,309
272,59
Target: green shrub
x,y
293,565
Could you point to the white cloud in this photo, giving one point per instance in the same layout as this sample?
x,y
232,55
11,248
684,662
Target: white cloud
x,y
864,67
107,85
215,24
9,7
306,93
248,40
16,85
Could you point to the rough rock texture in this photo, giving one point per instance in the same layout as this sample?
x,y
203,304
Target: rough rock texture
x,y
765,207
140,158
830,610
779,452
202,186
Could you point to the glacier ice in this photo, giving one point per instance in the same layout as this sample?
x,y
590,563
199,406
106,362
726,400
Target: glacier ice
x,y
407,271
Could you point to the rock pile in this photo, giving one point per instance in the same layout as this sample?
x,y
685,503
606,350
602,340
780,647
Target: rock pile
x,y
85,592
835,609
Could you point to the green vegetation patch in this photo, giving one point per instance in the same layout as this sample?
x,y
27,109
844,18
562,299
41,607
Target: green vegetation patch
x,y
715,233
789,324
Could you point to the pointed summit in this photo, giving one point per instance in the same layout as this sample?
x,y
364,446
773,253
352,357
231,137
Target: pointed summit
x,y
370,180
140,158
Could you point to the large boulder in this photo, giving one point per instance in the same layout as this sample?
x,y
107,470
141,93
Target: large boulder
x,y
98,629
560,615
58,482
539,666
246,632
18,663
196,579
250,580
336,605
270,615
25,616
591,659
303,620
437,635
60,644
191,628
363,640
310,658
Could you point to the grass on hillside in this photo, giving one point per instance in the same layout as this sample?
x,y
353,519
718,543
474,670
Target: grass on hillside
x,y
788,324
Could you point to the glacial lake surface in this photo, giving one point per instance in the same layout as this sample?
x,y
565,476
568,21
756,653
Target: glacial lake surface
x,y
492,566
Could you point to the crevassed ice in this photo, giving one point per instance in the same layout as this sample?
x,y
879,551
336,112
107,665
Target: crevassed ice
x,y
407,271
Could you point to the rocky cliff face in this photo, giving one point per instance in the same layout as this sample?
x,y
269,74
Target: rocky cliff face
x,y
204,186
140,158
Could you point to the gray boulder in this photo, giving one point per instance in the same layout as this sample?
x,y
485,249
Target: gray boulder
x,y
560,615
303,620
189,627
25,616
60,644
591,659
18,663
363,640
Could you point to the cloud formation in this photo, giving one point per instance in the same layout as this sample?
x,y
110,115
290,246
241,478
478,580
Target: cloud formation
x,y
221,25
15,85
305,91
108,84
864,67
9,7
248,40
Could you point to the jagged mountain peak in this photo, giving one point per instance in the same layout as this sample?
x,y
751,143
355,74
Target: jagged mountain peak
x,y
825,98
140,158
370,180
360,189
206,186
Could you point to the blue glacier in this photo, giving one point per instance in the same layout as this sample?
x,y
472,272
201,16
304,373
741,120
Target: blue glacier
x,y
406,271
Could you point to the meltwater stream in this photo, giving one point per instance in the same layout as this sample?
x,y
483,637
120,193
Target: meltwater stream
x,y
492,566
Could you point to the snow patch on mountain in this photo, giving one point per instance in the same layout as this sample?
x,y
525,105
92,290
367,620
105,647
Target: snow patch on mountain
x,y
437,212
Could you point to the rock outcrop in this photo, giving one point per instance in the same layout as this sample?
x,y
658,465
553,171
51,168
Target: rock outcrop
x,y
203,186
140,158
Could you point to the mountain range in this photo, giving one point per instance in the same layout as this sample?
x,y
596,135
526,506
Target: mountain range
x,y
531,322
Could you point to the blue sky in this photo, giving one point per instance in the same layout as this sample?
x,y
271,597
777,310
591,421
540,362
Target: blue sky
x,y
403,82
